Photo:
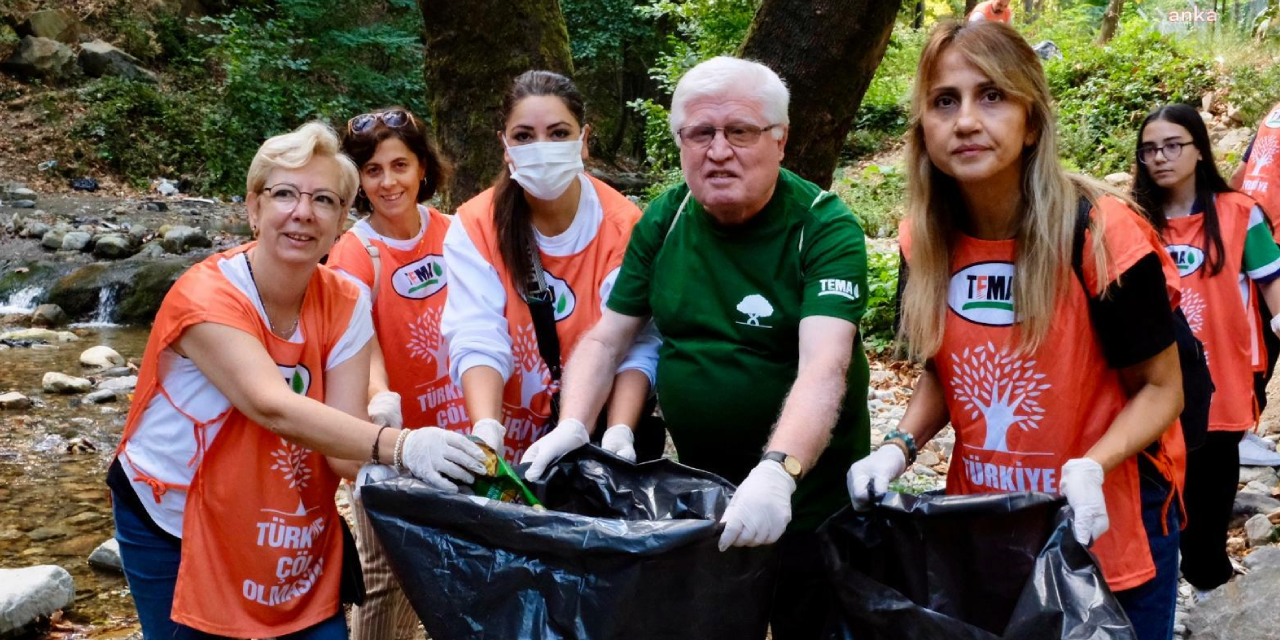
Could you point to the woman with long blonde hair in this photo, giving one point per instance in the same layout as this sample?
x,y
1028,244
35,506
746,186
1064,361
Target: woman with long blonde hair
x,y
1055,379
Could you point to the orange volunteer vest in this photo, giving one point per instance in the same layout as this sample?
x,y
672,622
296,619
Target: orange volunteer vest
x,y
1019,417
988,11
575,281
406,316
1262,171
261,548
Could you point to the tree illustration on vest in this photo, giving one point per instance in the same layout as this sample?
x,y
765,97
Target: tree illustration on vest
x,y
425,341
1264,151
533,372
1001,388
1193,307
755,307
292,460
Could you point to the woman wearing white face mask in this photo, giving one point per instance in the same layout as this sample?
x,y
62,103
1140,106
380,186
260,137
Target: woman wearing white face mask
x,y
531,263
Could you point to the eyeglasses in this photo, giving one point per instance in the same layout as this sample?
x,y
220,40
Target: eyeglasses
x,y
738,135
395,119
285,197
1171,151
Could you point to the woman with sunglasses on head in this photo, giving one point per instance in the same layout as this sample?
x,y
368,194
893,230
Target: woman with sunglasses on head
x,y
396,256
1222,243
250,404
1053,381
546,239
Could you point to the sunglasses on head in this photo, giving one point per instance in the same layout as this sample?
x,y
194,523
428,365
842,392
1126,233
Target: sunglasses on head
x,y
395,119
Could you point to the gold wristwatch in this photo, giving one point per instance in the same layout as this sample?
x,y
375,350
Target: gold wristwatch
x,y
790,464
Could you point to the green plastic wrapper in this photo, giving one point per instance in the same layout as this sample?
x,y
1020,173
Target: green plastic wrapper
x,y
501,482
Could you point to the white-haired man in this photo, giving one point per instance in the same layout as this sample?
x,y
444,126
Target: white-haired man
x,y
756,279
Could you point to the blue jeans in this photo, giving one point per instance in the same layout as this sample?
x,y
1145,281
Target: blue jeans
x,y
151,569
1151,605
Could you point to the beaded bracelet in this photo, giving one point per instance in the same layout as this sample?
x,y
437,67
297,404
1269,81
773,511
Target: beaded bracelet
x,y
397,459
373,454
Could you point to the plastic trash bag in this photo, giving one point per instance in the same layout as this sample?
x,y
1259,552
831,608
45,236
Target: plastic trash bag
x,y
977,567
624,551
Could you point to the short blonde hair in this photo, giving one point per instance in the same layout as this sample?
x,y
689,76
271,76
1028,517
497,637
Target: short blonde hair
x,y
295,149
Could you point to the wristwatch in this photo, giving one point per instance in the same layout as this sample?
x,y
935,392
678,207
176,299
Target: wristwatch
x,y
790,464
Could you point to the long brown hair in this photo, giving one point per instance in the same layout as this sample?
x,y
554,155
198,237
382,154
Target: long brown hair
x,y
511,213
935,210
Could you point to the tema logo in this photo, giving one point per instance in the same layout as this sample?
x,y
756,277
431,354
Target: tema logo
x,y
837,287
298,378
1188,258
983,293
563,301
420,279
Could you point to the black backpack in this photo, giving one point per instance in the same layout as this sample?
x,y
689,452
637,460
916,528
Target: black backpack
x,y
1197,385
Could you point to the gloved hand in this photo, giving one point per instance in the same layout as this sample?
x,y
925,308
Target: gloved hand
x,y
567,436
440,457
760,508
1082,486
869,478
620,440
384,409
1275,325
492,432
371,473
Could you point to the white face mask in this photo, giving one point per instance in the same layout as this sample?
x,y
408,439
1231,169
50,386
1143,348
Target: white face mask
x,y
546,169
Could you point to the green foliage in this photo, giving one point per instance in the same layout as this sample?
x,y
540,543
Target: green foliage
x,y
877,196
1254,91
882,292
139,130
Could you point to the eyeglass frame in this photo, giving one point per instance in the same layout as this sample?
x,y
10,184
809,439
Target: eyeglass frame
x,y
1163,150
380,116
310,194
720,131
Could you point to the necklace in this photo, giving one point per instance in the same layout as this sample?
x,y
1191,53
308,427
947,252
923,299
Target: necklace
x,y
272,325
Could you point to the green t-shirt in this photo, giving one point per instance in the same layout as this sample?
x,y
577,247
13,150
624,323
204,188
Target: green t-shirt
x,y
728,302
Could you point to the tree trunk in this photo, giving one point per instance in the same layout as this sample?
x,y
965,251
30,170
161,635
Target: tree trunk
x,y
917,15
1109,21
473,50
843,41
968,7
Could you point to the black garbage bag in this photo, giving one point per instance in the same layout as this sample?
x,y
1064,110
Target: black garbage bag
x,y
623,552
980,567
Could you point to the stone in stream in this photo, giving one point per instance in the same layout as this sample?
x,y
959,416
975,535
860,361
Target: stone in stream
x,y
116,372
55,382
1265,475
31,593
180,238
107,556
1259,530
23,204
101,357
14,400
101,396
48,315
35,229
47,335
1245,608
113,246
123,384
1248,504
76,241
52,239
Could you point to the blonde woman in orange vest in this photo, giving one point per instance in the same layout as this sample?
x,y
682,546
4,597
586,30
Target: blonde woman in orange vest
x,y
396,257
545,226
1053,382
250,403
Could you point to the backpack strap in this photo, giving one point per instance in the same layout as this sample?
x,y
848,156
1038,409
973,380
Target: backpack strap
x,y
375,257
1083,207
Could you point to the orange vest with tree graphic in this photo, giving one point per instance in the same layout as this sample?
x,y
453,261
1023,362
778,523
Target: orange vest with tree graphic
x,y
261,544
1262,171
575,282
406,317
1019,417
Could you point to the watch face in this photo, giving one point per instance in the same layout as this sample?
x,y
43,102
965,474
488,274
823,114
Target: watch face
x,y
792,466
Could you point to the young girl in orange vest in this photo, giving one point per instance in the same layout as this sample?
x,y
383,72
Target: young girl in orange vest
x,y
250,403
545,226
396,257
1043,394
1223,245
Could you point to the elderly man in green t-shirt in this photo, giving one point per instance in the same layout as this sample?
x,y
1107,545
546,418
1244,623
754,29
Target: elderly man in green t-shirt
x,y
756,280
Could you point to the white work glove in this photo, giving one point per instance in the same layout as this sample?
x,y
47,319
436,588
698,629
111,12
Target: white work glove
x,y
760,508
1275,325
620,440
567,436
492,432
384,410
442,457
371,473
869,478
1082,486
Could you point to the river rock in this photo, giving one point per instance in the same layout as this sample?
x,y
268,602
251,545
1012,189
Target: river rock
x,y
115,372
121,384
17,191
28,594
34,229
180,238
48,315
55,382
56,24
1118,179
23,204
113,246
101,396
99,58
41,59
47,335
14,400
1245,608
1248,504
76,241
52,238
107,556
1259,530
1265,475
101,357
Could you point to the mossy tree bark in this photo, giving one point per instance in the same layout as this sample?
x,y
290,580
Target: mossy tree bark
x,y
1110,20
843,41
473,50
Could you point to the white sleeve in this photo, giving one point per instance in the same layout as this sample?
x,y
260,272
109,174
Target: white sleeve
x,y
359,332
356,281
643,354
474,322
977,16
